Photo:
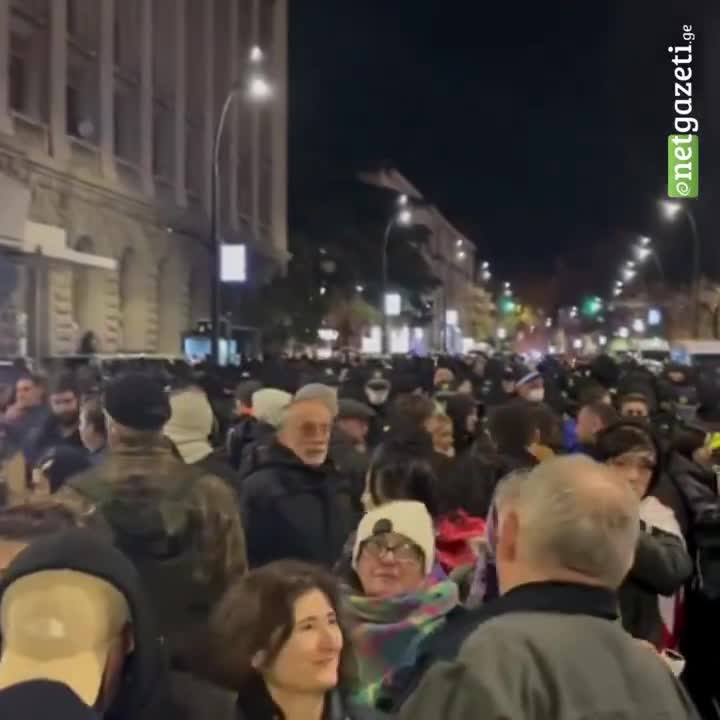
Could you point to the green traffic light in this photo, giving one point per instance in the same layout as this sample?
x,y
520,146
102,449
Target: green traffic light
x,y
592,306
507,306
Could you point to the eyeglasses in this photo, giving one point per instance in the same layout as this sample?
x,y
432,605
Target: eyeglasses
x,y
404,552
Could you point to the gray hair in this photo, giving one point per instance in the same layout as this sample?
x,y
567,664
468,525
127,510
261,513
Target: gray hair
x,y
574,515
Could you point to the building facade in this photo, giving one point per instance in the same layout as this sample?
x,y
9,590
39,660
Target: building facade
x,y
452,259
108,110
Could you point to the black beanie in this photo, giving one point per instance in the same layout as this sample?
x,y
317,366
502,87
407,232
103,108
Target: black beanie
x,y
138,402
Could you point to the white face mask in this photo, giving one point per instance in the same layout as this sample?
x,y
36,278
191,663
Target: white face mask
x,y
537,395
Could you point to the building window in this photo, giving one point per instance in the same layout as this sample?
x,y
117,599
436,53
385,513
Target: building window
x,y
72,100
71,18
118,126
18,83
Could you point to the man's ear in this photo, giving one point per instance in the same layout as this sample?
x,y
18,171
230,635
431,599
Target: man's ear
x,y
508,536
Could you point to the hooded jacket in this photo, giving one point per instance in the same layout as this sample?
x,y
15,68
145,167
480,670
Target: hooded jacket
x,y
166,515
293,510
190,425
144,686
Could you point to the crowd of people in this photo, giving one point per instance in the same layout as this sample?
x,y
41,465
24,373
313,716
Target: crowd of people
x,y
446,538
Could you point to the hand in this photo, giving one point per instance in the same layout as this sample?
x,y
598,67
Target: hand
x,y
13,412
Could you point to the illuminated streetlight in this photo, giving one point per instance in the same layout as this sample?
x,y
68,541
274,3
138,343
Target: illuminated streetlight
x,y
645,241
259,88
602,341
486,276
405,217
628,274
323,290
459,242
671,209
485,265
617,291
623,332
638,325
256,54
360,288
461,255
403,200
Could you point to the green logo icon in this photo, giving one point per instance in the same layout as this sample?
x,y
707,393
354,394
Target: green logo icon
x,y
683,166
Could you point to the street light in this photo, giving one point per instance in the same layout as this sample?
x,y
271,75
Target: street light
x,y
360,288
628,274
672,210
257,90
404,218
638,325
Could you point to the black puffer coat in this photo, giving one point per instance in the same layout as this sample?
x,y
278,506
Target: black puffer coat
x,y
295,511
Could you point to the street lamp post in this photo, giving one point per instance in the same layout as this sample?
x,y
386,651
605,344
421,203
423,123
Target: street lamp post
x,y
258,89
671,211
404,218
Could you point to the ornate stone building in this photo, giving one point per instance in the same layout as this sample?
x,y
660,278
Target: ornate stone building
x,y
108,111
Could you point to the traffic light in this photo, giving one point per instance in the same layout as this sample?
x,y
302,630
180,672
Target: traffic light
x,y
507,306
592,306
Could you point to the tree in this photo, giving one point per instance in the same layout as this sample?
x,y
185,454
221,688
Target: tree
x,y
351,317
483,319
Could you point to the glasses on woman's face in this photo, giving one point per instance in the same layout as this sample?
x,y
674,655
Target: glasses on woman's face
x,y
403,551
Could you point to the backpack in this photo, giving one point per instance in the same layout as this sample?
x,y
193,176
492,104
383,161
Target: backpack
x,y
156,527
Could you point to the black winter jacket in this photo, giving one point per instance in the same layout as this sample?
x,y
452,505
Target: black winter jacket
x,y
294,511
255,703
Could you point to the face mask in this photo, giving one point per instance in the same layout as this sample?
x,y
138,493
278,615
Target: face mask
x,y
376,397
537,395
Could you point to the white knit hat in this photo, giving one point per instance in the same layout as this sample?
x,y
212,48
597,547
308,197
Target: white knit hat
x,y
269,405
409,518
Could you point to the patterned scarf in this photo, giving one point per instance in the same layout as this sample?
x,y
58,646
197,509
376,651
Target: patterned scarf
x,y
387,632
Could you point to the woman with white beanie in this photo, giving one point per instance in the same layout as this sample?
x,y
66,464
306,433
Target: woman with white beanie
x,y
397,602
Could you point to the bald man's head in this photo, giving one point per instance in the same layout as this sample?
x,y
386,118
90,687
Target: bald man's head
x,y
569,518
305,429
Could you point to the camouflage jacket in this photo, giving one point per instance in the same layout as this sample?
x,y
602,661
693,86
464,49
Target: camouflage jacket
x,y
152,471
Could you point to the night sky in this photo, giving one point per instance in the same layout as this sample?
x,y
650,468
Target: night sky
x,y
538,128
